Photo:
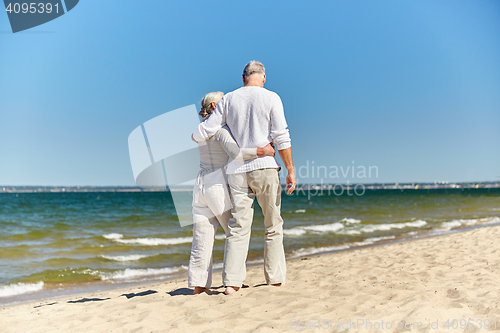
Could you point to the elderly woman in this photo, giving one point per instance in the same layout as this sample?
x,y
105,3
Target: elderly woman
x,y
211,200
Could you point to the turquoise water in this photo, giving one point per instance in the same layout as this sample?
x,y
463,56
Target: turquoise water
x,y
60,240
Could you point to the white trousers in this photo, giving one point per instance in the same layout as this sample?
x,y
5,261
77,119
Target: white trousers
x,y
211,207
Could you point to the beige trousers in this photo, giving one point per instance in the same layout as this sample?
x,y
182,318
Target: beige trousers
x,y
263,184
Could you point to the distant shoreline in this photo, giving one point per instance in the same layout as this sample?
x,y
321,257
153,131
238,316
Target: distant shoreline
x,y
306,187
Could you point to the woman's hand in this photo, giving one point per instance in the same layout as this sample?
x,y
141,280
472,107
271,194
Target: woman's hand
x,y
267,150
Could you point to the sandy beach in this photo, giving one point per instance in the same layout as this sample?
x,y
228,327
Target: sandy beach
x,y
448,283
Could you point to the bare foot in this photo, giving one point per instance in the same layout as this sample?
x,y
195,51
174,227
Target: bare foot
x,y
278,284
230,290
199,290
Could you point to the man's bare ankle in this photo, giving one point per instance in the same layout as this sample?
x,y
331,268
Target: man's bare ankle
x,y
199,290
231,289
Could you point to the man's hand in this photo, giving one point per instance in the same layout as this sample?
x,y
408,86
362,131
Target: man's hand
x,y
286,157
290,181
267,150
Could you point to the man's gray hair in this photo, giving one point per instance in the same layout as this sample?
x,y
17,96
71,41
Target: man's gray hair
x,y
206,102
254,67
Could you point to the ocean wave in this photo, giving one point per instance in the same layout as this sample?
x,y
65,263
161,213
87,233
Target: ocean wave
x,y
322,228
20,288
134,273
450,225
300,211
316,250
148,241
326,227
220,236
131,257
297,231
218,265
340,228
469,222
255,262
489,220
386,226
113,236
348,220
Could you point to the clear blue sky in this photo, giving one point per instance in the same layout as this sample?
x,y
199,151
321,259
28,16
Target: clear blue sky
x,y
412,87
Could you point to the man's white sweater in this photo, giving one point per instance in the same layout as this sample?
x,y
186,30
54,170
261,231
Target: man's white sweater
x,y
255,117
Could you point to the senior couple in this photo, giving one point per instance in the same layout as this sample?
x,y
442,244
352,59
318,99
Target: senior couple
x,y
236,141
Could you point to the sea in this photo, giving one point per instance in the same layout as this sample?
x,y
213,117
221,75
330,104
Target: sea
x,y
52,244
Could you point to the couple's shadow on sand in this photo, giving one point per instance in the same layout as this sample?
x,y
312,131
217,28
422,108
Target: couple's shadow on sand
x,y
131,295
213,291
177,292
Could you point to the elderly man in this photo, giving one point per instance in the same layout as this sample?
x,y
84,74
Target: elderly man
x,y
255,117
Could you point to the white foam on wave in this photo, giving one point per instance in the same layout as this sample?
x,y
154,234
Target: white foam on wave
x,y
218,265
351,232
489,220
389,226
300,211
450,225
298,231
255,262
322,228
316,250
134,273
220,236
469,222
348,220
20,288
131,257
148,241
113,236
332,227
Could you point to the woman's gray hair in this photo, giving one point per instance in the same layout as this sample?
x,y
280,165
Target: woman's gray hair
x,y
254,67
206,102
